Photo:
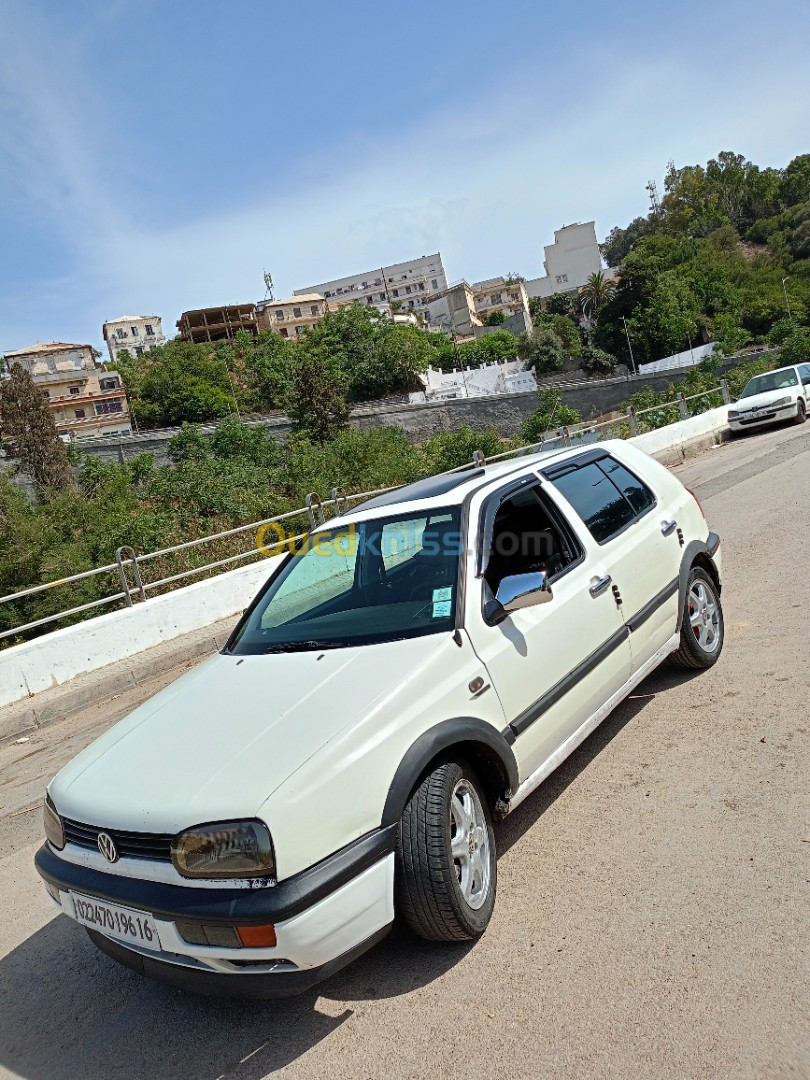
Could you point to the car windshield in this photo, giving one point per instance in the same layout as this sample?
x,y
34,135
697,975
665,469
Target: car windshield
x,y
358,584
774,380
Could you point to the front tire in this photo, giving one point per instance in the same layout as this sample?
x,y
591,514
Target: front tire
x,y
446,866
702,627
801,412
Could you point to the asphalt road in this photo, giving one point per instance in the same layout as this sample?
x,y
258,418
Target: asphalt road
x,y
652,916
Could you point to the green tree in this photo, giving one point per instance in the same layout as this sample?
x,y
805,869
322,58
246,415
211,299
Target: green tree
x,y
189,444
597,291
316,401
28,430
598,362
550,414
542,350
451,449
796,347
495,318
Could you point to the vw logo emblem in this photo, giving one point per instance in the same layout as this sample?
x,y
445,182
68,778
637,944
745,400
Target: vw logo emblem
x,y
106,846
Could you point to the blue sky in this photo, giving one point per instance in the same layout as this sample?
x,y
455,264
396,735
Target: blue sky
x,y
158,155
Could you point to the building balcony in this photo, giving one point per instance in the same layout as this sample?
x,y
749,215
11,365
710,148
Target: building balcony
x,y
93,395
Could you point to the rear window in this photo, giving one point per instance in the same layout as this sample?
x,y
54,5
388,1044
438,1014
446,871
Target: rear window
x,y
606,495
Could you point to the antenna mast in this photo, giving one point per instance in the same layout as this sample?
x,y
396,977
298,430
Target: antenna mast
x,y
268,285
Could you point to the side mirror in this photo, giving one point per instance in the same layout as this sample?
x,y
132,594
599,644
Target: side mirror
x,y
516,592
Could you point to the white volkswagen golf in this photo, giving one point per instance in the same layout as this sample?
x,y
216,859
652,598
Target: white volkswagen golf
x,y
403,680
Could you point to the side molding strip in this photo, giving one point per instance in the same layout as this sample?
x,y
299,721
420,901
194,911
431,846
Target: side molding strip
x,y
652,606
560,689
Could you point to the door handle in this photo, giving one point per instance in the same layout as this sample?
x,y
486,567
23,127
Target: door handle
x,y
599,587
668,527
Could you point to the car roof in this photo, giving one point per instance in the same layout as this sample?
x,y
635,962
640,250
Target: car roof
x,y
451,489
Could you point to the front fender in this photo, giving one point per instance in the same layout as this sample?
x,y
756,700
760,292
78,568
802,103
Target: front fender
x,y
474,738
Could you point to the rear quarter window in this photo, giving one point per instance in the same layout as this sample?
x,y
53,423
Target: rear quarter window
x,y
606,495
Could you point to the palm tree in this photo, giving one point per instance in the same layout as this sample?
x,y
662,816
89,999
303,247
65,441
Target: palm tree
x,y
595,294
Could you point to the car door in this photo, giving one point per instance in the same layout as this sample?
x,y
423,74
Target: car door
x,y
555,664
637,534
804,375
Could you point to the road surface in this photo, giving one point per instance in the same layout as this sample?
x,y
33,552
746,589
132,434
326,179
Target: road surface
x,y
652,916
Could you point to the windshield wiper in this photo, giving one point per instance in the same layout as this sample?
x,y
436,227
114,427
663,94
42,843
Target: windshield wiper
x,y
306,646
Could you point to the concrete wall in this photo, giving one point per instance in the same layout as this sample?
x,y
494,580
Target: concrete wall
x,y
58,657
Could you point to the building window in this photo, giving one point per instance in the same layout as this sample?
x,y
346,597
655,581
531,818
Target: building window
x,y
369,299
382,296
74,389
279,315
300,329
139,350
296,312
365,284
327,295
79,414
396,292
45,394
149,331
120,334
103,407
434,284
284,332
496,299
134,330
108,384
407,288
313,309
562,279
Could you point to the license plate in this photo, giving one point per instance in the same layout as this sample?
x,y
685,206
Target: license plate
x,y
123,924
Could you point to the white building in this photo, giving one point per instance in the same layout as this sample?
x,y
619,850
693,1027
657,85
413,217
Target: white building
x,y
569,261
135,333
402,286
507,378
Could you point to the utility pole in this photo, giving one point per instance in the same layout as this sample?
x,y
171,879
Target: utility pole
x,y
787,302
629,346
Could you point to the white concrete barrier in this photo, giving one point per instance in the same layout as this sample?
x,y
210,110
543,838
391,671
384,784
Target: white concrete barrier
x,y
675,436
56,658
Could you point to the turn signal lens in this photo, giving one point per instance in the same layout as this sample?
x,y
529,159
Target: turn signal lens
x,y
227,849
257,937
54,829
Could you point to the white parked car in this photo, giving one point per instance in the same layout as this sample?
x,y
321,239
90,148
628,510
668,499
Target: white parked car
x,y
404,680
777,395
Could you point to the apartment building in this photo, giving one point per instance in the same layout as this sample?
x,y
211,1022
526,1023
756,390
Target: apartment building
x,y
293,316
85,399
569,261
453,311
217,323
504,295
134,333
403,286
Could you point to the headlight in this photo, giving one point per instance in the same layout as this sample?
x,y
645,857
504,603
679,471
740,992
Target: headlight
x,y
54,829
226,849
781,402
733,414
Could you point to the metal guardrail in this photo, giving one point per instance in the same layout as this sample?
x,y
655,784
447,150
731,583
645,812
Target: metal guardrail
x,y
128,564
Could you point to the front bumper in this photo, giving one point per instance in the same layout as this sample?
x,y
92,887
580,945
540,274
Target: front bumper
x,y
770,416
324,917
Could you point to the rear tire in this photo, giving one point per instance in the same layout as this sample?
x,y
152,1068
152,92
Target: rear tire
x,y
446,868
801,412
702,627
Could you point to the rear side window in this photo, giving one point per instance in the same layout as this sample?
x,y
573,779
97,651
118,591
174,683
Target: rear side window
x,y
637,494
606,496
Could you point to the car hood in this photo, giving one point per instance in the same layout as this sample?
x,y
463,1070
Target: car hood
x,y
218,742
762,401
